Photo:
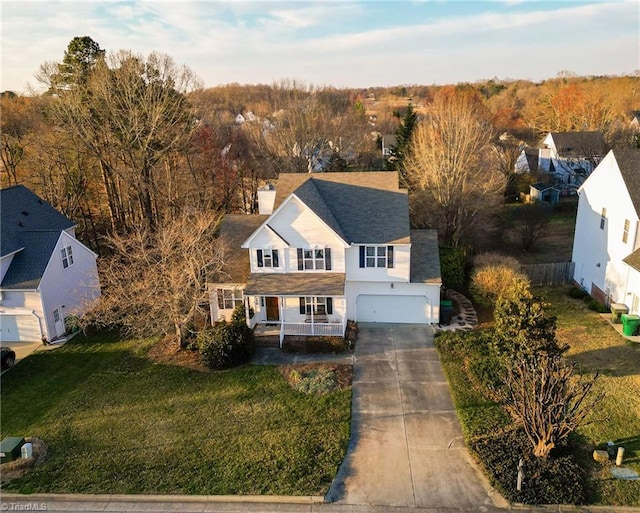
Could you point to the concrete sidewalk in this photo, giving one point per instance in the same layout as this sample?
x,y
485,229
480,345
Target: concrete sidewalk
x,y
406,445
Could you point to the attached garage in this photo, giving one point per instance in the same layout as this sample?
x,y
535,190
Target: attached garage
x,y
23,327
401,309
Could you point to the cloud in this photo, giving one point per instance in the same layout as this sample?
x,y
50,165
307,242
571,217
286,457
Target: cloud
x,y
339,43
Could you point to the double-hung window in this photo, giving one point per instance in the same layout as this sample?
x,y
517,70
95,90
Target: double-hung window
x,y
267,258
316,305
228,299
376,256
318,259
67,257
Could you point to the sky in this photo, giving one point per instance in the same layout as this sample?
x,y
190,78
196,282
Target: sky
x,y
333,43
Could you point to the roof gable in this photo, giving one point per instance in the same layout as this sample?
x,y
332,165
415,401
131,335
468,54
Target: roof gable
x,y
578,144
28,265
360,207
32,227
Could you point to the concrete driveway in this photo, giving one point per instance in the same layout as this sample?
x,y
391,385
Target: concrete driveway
x,y
406,445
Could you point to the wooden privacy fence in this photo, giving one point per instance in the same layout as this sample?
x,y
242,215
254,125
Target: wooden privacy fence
x,y
557,273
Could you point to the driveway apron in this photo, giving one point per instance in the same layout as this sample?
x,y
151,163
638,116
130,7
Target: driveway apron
x,y
406,445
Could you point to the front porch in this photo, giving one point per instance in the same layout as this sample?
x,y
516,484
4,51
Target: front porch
x,y
297,304
271,330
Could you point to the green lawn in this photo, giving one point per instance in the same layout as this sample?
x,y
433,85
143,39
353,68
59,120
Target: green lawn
x,y
595,347
116,423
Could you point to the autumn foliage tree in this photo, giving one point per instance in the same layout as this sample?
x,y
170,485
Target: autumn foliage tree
x,y
155,283
453,180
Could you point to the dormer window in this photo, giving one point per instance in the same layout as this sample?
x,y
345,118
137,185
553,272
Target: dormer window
x,y
267,258
67,257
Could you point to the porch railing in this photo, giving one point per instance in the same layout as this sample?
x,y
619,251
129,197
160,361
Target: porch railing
x,y
323,329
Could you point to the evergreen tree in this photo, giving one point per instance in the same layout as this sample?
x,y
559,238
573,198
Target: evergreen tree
x,y
403,134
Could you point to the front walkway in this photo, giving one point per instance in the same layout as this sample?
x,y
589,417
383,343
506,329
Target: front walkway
x,y
406,445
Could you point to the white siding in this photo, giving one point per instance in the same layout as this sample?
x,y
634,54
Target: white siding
x,y
300,228
17,302
71,288
290,309
399,272
632,291
598,253
395,310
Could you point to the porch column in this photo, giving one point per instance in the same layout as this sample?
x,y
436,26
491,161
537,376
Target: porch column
x,y
281,316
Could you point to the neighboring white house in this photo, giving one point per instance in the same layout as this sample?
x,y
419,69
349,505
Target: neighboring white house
x,y
606,241
335,246
569,157
46,275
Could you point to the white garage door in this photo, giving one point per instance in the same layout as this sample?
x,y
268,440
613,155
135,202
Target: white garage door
x,y
403,309
19,328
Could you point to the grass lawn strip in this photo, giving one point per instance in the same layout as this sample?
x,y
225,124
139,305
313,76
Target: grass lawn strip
x,y
118,423
595,347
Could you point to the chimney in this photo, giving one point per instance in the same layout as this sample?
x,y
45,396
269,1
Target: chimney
x,y
266,199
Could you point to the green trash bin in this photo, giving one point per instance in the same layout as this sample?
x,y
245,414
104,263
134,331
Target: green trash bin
x,y
630,324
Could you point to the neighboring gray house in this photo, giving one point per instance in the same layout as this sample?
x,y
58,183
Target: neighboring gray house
x,y
46,275
333,247
544,192
568,157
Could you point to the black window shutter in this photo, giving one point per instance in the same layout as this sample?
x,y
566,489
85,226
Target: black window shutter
x,y
300,260
329,305
275,257
361,257
327,259
302,306
260,262
390,257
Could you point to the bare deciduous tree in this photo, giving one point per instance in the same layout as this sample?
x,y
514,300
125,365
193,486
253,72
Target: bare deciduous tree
x,y
450,170
542,393
156,281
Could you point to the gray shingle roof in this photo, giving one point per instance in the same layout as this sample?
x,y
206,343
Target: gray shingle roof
x,y
629,165
295,284
236,228
30,226
425,257
361,207
28,265
579,144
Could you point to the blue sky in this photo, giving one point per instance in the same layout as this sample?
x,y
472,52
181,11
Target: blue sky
x,y
339,43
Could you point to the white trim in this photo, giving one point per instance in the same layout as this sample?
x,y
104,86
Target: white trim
x,y
246,244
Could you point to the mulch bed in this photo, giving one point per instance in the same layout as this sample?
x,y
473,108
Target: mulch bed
x,y
19,467
167,352
342,371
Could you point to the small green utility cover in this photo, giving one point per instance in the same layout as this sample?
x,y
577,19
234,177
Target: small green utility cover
x,y
10,448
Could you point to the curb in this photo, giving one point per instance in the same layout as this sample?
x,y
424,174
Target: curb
x,y
264,499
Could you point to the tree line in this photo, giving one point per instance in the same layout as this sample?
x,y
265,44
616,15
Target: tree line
x,y
120,141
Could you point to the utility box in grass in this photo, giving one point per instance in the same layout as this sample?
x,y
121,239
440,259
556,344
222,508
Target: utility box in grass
x,y
10,448
617,309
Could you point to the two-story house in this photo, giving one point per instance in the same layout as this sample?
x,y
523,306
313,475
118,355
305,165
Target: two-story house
x,y
330,247
46,274
568,157
606,246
